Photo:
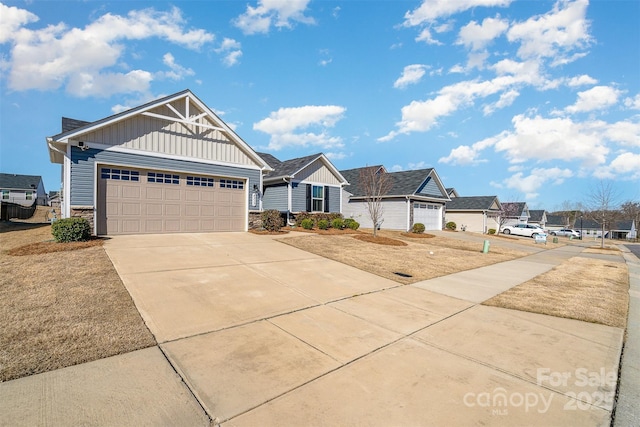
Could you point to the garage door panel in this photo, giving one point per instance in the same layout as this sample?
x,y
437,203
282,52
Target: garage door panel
x,y
153,209
172,194
172,225
172,210
187,204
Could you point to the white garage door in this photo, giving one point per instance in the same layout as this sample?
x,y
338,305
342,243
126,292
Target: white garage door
x,y
133,201
428,214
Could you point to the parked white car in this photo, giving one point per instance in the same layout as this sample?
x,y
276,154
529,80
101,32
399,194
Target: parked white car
x,y
527,230
567,232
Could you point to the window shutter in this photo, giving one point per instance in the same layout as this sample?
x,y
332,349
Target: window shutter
x,y
326,199
308,197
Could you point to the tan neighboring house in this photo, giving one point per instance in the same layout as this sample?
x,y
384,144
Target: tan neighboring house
x,y
477,214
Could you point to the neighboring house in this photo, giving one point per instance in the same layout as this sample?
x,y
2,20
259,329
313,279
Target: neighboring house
x,y
171,165
538,217
515,213
556,222
623,230
451,192
22,189
477,214
416,196
305,184
54,199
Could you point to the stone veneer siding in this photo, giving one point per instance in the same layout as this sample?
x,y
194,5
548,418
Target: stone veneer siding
x,y
86,213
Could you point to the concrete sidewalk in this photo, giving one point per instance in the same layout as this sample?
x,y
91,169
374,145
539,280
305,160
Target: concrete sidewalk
x,y
254,332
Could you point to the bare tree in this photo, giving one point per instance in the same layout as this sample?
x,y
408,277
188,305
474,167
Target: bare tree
x,y
602,206
375,183
631,210
508,211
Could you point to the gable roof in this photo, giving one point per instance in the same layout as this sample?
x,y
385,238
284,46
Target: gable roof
x,y
452,192
536,215
290,168
73,128
518,207
404,183
473,203
19,182
556,220
353,177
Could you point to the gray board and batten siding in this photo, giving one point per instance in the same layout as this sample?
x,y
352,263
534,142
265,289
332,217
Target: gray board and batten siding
x,y
83,168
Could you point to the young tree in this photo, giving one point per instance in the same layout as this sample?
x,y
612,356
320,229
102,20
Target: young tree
x,y
375,183
508,211
602,206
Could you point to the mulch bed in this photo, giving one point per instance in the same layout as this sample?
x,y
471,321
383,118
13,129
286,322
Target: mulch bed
x,y
418,235
379,240
51,246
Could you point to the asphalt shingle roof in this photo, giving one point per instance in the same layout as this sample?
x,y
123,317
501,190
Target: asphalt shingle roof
x,y
403,183
288,167
472,203
536,215
19,182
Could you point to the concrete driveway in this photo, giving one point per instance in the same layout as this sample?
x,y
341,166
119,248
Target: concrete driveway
x,y
255,332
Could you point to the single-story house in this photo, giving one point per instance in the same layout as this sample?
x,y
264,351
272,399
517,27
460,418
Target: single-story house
x,y
416,196
305,184
556,222
515,213
538,217
625,229
170,165
22,189
54,199
477,214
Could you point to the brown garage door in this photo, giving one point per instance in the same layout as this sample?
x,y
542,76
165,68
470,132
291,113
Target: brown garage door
x,y
133,201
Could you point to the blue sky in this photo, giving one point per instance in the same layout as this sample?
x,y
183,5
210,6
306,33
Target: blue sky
x,y
528,100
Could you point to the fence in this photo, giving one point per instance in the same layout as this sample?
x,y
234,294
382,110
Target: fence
x,y
10,210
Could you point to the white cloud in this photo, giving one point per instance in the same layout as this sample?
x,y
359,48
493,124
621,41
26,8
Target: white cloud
x,y
506,99
469,155
555,34
12,20
582,80
625,165
285,126
531,184
431,10
279,13
80,59
231,49
396,168
411,74
633,103
596,98
336,156
476,37
425,36
178,72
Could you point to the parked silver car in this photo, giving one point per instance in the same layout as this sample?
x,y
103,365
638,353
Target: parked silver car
x,y
527,230
566,232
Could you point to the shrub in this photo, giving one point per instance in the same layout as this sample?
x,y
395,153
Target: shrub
x,y
323,224
417,228
302,216
272,220
307,223
337,223
351,223
71,230
492,231
451,225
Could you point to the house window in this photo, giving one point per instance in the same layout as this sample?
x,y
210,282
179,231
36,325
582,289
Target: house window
x,y
28,195
317,198
120,174
232,183
163,178
198,181
5,194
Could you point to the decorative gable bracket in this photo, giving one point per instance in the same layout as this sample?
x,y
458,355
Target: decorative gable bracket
x,y
186,119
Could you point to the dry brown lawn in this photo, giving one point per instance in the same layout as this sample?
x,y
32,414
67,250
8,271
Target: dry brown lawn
x,y
62,308
423,259
585,289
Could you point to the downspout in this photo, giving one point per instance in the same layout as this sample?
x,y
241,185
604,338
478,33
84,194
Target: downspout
x,y
289,193
408,213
